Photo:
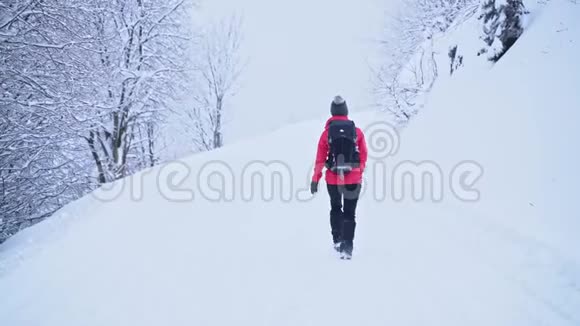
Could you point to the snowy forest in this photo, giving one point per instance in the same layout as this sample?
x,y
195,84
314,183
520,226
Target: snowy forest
x,y
410,68
89,91
92,91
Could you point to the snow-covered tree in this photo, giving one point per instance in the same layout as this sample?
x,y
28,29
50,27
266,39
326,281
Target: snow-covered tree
x,y
42,162
409,68
142,49
502,26
86,87
217,75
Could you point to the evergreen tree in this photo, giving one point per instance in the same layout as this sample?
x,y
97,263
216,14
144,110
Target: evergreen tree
x,y
502,26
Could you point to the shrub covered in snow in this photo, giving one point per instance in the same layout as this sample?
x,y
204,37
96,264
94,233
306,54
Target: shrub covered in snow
x,y
502,26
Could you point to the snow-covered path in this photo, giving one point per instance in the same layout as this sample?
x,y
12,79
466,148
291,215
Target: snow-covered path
x,y
260,263
180,269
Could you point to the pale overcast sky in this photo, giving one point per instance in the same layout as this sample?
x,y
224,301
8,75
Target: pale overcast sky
x,y
301,53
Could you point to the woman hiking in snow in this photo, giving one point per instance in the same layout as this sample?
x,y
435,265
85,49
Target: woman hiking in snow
x,y
343,151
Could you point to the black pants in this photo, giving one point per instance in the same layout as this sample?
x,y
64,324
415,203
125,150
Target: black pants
x,y
342,217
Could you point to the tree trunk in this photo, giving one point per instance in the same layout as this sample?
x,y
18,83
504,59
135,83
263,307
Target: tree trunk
x,y
150,135
217,133
98,162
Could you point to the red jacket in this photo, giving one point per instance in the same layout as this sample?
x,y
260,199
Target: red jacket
x,y
355,176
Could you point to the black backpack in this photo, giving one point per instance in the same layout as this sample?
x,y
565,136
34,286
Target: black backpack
x,y
343,154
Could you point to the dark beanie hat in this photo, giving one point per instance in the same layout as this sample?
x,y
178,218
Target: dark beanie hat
x,y
338,106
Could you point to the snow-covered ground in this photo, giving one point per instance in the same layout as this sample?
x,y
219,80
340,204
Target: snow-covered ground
x,y
509,258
